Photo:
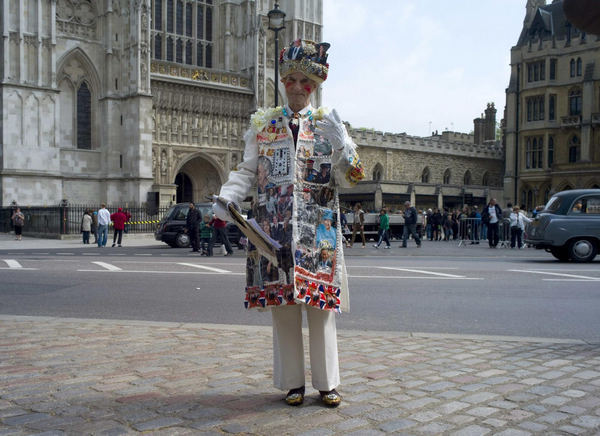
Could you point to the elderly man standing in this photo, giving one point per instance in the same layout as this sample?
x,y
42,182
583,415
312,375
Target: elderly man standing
x,y
286,137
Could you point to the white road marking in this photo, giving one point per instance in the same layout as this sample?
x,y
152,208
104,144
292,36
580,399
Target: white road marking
x,y
571,276
14,265
414,277
108,266
159,272
420,271
208,268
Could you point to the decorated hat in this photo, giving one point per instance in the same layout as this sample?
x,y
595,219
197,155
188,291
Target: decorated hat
x,y
306,57
328,214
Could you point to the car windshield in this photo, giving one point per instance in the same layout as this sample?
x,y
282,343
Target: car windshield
x,y
553,204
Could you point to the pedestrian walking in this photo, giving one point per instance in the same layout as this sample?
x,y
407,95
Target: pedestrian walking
x,y
492,214
384,229
475,225
276,136
517,227
410,224
219,226
103,223
18,219
127,221
436,225
192,224
118,218
358,225
206,232
86,226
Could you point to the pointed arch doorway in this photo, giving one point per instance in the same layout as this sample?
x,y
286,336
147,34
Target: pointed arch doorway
x,y
185,188
197,180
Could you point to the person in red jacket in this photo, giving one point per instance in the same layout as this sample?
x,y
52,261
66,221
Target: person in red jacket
x,y
219,231
118,218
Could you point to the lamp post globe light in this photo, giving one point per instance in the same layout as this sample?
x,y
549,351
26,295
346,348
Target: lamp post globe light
x,y
276,23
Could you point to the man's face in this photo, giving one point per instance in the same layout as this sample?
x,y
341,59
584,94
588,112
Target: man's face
x,y
298,89
191,205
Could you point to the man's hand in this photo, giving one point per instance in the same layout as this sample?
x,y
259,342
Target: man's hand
x,y
332,129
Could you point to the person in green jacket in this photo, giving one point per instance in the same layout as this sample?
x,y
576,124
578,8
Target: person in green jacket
x,y
384,229
205,235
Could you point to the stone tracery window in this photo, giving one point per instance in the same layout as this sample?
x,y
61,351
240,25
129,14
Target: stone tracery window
x,y
84,117
485,180
447,176
425,175
378,173
185,28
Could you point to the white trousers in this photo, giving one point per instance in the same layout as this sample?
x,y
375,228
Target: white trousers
x,y
288,349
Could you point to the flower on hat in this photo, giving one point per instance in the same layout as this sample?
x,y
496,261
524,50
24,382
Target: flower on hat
x,y
307,57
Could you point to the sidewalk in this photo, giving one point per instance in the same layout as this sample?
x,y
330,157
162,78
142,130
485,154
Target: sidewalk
x,y
83,376
429,248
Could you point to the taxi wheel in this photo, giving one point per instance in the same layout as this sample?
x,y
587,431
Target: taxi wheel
x,y
582,250
182,240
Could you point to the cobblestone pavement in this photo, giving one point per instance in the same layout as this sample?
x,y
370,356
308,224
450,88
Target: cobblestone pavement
x,y
69,376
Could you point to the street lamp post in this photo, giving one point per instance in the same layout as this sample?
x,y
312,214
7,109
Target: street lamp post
x,y
276,23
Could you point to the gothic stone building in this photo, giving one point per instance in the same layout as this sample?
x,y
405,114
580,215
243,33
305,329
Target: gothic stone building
x,y
446,170
135,100
126,100
552,108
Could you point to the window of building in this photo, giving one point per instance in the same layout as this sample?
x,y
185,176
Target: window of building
x,y
536,71
185,29
157,47
575,101
552,107
535,108
447,176
467,179
179,51
157,15
485,180
378,173
553,69
188,53
84,117
534,152
550,151
572,68
574,149
179,18
425,175
579,67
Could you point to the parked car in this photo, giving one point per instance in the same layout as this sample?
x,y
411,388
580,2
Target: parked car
x,y
172,225
569,226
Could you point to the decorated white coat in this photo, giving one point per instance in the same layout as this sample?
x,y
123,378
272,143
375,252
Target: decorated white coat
x,y
297,205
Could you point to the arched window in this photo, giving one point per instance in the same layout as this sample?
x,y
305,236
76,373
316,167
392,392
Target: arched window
x,y
378,173
467,179
179,51
84,117
572,68
574,149
546,194
485,180
447,176
425,175
579,67
550,151
188,53
528,153
170,49
575,100
157,46
186,31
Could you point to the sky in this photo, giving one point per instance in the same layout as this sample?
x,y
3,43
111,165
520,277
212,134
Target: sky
x,y
417,66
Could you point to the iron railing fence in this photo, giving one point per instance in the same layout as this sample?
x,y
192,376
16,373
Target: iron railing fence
x,y
66,219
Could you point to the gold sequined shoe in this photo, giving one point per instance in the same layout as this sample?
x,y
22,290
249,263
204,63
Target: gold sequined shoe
x,y
295,397
331,398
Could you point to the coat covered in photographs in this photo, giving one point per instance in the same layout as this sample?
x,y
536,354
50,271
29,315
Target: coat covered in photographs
x,y
297,205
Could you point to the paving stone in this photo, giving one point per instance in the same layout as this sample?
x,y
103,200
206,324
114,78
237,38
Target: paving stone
x,y
513,432
157,424
472,430
435,428
533,426
482,411
570,429
394,426
587,421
